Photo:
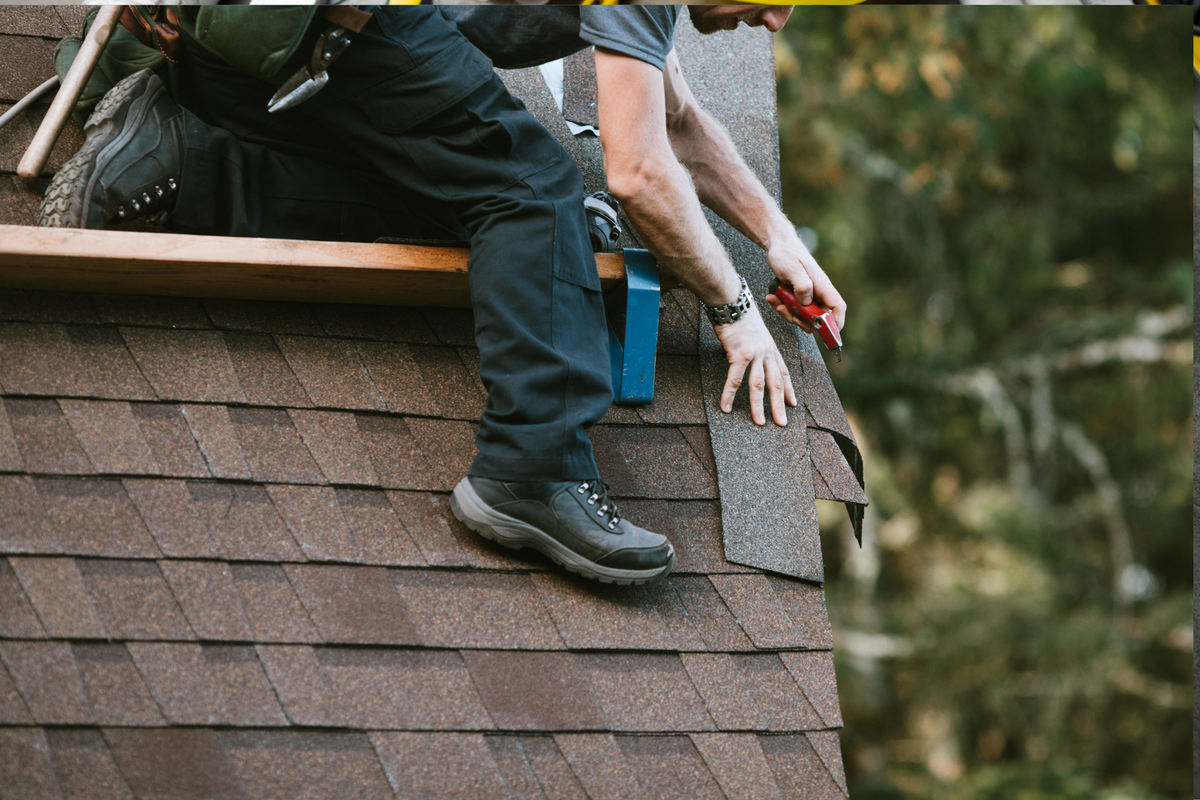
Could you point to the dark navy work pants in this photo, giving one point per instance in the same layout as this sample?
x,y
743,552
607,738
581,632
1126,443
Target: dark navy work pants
x,y
415,136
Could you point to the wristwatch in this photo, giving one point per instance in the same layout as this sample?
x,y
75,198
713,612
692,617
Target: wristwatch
x,y
730,312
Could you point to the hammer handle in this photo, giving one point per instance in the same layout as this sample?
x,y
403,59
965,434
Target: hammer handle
x,y
43,142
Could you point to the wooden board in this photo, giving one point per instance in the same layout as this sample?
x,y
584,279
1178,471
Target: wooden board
x,y
121,262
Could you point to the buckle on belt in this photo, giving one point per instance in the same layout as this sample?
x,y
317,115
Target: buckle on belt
x,y
311,78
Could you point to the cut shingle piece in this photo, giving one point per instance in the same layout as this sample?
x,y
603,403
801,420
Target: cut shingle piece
x,y
597,616
114,687
724,690
308,764
263,372
150,311
315,520
677,399
533,691
331,372
805,604
95,517
84,767
244,523
427,525
782,706
249,699
455,393
663,463
180,681
26,766
170,440
831,464
709,614
354,605
380,535
168,510
24,524
264,317
46,677
476,610
180,764
214,432
448,445
193,366
18,620
39,359
134,600
209,599
758,610
272,446
398,461
110,436
102,354
393,689
300,682
738,764
62,600
820,398
44,438
814,673
600,766
395,373
644,692
333,440
798,770
668,767
272,607
13,710
457,765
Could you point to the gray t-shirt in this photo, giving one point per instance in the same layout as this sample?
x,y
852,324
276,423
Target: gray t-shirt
x,y
514,37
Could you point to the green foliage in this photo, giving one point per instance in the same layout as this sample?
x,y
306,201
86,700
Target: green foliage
x,y
1002,196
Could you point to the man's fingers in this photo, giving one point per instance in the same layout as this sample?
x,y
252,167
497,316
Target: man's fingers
x,y
789,391
737,370
757,385
776,383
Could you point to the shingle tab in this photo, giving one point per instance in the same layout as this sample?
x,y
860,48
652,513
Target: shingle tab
x,y
45,439
782,706
32,21
150,310
709,614
46,677
302,686
315,520
355,605
331,372
677,399
102,354
380,533
597,616
307,764
261,316
167,508
738,764
449,446
17,617
669,767
600,766
193,366
333,440
821,399
395,373
274,610
179,679
244,523
383,323
63,602
758,610
39,359
805,604
829,748
110,436
533,691
478,610
13,710
814,673
457,765
663,463
10,456
179,764
697,528
519,777
170,440
611,462
263,372
209,599
114,687
134,600
724,690
455,393
218,440
95,517
798,769
248,697
399,462
26,764
552,770
645,692
84,767
272,446
427,525
24,525
832,465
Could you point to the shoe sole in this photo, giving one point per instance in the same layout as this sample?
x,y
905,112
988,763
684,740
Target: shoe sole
x,y
515,534
66,202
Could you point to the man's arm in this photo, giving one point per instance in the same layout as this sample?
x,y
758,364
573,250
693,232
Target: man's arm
x,y
655,191
726,185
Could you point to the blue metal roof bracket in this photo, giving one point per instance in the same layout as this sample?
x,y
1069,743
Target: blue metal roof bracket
x,y
632,311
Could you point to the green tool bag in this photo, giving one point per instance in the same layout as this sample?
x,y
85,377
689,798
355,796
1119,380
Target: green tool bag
x,y
258,40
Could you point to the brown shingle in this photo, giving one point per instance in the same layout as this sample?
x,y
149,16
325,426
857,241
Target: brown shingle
x,y
13,710
272,446
449,446
552,770
264,317
781,704
218,440
210,601
663,463
114,686
170,513
102,353
333,440
805,604
644,692
724,690
45,439
249,698
15,205
17,135
476,610
668,767
829,749
699,439
26,765
39,359
758,610
313,516
110,436
427,525
355,605
611,462
519,777
455,393
594,615
17,617
457,765
310,764
84,766
820,487
395,374
798,769
302,686
155,311
405,689
134,601
263,372
28,305
95,517
183,764
738,764
600,766
24,526
830,462
398,461
453,326
10,456
378,531
709,614
383,323
814,672
32,21
179,679
677,330
558,699
57,591
271,605
821,398
331,372
677,399
170,440
243,523
45,675
185,365
698,525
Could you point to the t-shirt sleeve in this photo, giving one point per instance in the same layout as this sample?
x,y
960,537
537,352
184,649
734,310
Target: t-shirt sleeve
x,y
644,32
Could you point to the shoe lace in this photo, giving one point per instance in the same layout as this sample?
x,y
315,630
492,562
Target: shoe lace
x,y
608,510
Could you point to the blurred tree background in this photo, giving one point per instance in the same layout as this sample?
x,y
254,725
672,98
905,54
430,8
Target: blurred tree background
x,y
1003,196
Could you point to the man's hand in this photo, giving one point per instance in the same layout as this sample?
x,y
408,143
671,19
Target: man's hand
x,y
748,344
793,264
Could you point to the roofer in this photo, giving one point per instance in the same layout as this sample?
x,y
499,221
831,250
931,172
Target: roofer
x,y
415,137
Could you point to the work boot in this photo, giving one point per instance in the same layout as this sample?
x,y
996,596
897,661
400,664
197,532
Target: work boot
x,y
129,164
573,522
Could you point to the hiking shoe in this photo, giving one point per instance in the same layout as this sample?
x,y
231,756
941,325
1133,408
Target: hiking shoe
x,y
129,164
572,522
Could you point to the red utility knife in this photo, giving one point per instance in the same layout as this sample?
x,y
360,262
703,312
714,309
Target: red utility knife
x,y
821,320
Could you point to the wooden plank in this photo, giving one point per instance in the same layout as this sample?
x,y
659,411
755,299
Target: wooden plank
x,y
122,262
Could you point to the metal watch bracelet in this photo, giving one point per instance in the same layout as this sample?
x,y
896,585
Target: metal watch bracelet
x,y
730,312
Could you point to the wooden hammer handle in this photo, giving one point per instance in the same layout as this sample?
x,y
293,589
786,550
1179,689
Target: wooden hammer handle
x,y
43,142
